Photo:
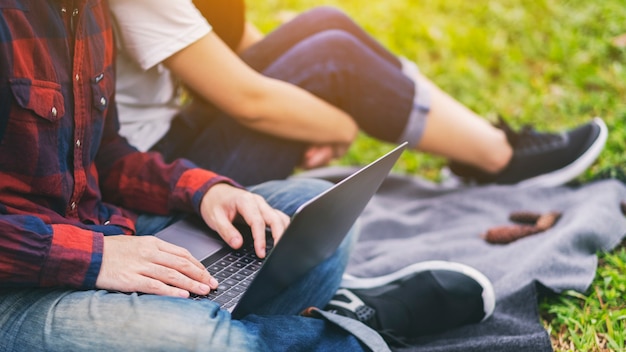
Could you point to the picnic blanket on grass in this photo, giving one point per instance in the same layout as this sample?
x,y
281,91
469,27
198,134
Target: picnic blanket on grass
x,y
412,220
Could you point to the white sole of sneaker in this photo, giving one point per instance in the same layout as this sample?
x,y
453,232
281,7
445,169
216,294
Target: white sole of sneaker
x,y
571,171
489,298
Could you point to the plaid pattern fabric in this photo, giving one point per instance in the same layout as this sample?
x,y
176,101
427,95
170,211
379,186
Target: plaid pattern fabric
x,y
66,176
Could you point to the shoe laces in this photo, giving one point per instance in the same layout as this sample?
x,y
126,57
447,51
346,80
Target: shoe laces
x,y
527,138
353,304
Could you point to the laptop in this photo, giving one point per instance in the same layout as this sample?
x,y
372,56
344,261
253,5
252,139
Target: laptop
x,y
316,230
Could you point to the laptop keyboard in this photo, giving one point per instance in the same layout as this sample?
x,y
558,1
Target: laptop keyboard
x,y
234,270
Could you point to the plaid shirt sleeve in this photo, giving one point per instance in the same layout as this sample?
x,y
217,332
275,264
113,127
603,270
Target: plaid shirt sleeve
x,y
143,182
66,177
37,254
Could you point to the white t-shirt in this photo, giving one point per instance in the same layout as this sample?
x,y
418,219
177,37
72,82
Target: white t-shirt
x,y
146,33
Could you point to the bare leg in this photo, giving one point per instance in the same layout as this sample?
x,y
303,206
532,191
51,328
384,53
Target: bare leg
x,y
457,133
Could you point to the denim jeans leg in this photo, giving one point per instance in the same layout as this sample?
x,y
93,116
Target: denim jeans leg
x,y
51,320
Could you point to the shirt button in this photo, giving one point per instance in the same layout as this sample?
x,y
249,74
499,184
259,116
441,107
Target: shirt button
x,y
54,111
63,9
103,101
75,12
77,77
73,205
78,143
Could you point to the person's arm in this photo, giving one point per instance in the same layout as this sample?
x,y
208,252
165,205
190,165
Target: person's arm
x,y
36,254
216,74
141,181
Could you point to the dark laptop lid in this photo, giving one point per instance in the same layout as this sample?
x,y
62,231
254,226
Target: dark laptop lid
x,y
316,230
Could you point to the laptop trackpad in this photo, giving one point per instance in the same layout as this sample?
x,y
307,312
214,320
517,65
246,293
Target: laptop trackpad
x,y
193,235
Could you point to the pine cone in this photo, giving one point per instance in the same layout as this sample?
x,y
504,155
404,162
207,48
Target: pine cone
x,y
524,217
547,220
531,223
508,234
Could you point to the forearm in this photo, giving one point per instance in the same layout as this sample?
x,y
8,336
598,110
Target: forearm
x,y
271,106
287,111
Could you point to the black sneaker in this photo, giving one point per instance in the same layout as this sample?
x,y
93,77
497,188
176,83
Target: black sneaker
x,y
542,159
422,299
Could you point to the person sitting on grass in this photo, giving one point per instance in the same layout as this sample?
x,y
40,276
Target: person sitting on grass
x,y
298,97
79,269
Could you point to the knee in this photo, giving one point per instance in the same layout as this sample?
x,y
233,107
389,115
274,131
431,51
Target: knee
x,y
304,188
288,195
331,16
335,43
326,17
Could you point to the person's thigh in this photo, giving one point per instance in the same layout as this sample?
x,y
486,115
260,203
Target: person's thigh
x,y
59,320
263,53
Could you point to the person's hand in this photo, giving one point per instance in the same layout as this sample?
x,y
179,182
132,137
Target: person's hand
x,y
317,156
321,155
150,265
223,203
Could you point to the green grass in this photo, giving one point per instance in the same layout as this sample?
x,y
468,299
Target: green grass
x,y
546,62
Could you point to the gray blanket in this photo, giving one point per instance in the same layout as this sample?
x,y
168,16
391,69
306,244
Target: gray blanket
x,y
411,220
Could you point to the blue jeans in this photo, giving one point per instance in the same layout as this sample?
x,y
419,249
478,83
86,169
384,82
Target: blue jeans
x,y
60,319
324,52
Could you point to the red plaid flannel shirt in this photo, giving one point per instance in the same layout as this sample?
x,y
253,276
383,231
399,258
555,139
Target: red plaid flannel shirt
x,y
66,176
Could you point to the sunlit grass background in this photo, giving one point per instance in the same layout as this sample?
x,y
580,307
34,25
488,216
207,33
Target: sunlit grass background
x,y
550,63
